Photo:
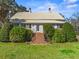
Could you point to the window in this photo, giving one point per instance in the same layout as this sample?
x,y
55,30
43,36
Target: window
x,y
17,20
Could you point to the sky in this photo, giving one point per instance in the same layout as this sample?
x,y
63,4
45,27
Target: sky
x,y
66,7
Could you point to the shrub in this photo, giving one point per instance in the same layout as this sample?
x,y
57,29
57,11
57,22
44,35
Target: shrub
x,y
4,32
17,34
58,36
48,31
69,32
29,35
20,34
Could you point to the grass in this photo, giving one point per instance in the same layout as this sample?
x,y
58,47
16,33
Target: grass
x,y
53,51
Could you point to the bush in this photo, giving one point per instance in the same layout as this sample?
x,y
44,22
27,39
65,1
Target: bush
x,y
17,34
29,35
48,31
58,36
20,34
69,32
4,32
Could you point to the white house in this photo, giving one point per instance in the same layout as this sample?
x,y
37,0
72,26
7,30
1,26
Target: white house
x,y
35,21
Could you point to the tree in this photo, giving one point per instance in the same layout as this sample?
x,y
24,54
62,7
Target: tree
x,y
48,31
9,5
75,21
4,32
69,32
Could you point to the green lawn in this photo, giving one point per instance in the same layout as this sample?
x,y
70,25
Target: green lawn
x,y
54,51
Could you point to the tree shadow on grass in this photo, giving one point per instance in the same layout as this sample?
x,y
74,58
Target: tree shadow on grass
x,y
67,51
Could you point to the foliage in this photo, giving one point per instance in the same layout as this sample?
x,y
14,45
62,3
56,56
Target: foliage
x,y
29,35
58,36
4,32
20,34
69,32
17,34
3,13
9,5
48,31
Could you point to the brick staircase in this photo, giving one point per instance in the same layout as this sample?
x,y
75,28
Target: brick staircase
x,y
38,38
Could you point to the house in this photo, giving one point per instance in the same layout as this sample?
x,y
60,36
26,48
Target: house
x,y
35,21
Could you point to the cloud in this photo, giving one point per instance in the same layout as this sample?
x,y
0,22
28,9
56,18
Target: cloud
x,y
70,1
44,7
72,6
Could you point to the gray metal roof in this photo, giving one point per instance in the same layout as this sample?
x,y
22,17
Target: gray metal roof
x,y
38,16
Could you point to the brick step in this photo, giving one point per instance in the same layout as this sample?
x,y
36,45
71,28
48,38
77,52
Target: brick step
x,y
38,38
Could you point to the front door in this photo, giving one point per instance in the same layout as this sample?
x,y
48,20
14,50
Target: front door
x,y
37,29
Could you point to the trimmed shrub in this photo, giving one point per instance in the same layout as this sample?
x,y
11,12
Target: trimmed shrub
x,y
58,36
69,32
20,34
4,32
17,34
48,31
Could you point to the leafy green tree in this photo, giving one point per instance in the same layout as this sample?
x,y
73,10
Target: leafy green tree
x,y
48,31
9,5
4,32
69,32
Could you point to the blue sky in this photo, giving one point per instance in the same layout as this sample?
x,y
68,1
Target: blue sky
x,y
66,7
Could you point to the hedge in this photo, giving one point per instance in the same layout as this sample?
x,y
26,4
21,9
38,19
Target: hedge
x,y
58,36
69,32
20,34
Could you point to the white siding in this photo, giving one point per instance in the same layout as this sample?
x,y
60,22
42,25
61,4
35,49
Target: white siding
x,y
40,28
